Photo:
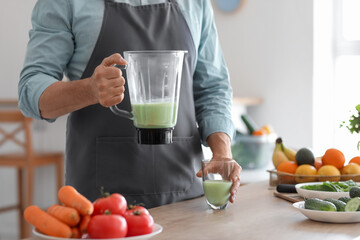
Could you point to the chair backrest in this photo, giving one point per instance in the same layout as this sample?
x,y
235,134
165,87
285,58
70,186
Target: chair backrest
x,y
15,128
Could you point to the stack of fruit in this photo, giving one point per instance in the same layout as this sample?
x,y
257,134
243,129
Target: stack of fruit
x,y
108,217
302,166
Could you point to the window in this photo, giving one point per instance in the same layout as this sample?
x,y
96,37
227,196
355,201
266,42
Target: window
x,y
336,74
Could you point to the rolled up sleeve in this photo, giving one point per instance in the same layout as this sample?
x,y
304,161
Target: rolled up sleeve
x,y
212,89
49,49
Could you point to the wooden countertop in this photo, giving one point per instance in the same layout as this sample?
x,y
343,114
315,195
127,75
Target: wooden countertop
x,y
256,215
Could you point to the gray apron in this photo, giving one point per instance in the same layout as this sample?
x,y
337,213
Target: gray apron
x,y
102,149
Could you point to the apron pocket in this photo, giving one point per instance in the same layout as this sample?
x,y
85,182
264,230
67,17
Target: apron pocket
x,y
176,163
123,166
126,167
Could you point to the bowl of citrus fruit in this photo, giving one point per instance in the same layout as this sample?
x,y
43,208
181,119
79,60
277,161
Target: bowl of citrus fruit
x,y
301,166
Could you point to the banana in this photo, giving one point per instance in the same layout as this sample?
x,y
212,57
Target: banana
x,y
290,154
278,155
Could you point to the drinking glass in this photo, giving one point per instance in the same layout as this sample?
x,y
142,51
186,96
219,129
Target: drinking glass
x,y
216,175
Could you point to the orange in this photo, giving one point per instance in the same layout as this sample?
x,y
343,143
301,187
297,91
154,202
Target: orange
x,y
259,132
351,169
355,160
328,173
305,173
287,167
334,157
318,163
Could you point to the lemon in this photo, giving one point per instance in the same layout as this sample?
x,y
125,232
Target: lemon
x,y
268,129
305,173
329,170
351,169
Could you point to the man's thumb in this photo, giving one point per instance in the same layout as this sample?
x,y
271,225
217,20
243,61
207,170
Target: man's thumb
x,y
116,58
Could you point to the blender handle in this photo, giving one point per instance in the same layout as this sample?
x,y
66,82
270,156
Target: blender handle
x,y
122,67
121,113
115,109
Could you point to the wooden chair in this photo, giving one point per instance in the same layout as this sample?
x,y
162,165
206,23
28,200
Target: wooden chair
x,y
25,161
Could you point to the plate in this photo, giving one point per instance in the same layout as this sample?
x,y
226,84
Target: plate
x,y
157,229
318,194
325,216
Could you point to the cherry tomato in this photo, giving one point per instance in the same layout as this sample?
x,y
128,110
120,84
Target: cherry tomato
x,y
115,204
139,223
132,208
107,226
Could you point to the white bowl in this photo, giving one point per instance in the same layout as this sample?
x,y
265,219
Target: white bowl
x,y
328,216
157,229
318,194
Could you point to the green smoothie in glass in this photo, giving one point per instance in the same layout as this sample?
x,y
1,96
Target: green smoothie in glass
x,y
155,115
217,192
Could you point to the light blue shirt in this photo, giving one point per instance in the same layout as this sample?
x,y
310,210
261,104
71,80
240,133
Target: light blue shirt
x,y
65,32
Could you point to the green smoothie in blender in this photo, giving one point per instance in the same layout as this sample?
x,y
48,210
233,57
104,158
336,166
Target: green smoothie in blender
x,y
155,115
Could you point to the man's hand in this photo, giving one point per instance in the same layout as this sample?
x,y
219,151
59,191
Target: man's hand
x,y
105,86
220,145
107,82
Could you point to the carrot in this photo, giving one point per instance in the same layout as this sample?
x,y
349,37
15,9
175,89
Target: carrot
x,y
46,223
75,232
65,214
258,132
71,198
84,223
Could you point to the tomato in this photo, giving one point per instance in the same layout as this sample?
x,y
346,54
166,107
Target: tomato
x,y
115,204
132,208
107,226
139,223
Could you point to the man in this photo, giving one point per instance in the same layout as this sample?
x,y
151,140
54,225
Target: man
x,y
84,39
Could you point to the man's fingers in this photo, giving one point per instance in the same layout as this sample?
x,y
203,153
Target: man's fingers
x,y
111,101
112,91
116,82
107,81
107,85
116,58
235,186
117,99
235,178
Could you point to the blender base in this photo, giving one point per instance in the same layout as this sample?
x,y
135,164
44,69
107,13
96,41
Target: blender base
x,y
154,136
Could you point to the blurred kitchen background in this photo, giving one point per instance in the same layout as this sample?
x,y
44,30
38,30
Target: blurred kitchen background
x,y
293,65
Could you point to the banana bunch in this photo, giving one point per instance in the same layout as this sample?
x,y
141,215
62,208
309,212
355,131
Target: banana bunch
x,y
282,153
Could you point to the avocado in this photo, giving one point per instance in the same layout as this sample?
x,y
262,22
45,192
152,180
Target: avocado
x,y
319,205
354,192
305,156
